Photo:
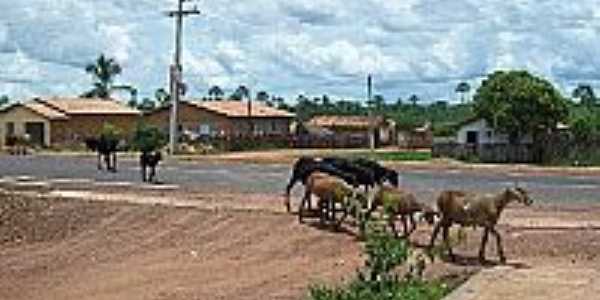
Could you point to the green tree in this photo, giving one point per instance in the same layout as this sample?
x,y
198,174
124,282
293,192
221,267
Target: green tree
x,y
414,99
518,103
162,97
103,71
215,93
262,96
241,93
462,88
585,94
378,103
148,138
4,100
147,105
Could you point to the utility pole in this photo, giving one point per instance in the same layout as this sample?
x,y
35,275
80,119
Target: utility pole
x,y
175,71
371,115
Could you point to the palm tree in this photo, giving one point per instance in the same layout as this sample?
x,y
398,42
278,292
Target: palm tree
x,y
162,97
262,96
378,102
414,99
241,93
585,93
103,72
215,92
462,88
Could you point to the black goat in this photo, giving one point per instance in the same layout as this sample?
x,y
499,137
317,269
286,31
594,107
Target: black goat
x,y
364,176
106,148
380,172
149,160
305,166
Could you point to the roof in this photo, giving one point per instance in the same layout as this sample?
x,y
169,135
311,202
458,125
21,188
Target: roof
x,y
37,108
87,106
45,111
343,121
239,109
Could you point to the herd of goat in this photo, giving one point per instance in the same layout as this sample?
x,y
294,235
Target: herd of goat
x,y
336,183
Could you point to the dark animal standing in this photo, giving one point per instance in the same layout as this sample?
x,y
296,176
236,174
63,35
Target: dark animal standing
x,y
471,209
355,172
149,160
305,166
107,149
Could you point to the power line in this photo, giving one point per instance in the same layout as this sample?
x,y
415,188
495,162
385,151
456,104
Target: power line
x,y
175,71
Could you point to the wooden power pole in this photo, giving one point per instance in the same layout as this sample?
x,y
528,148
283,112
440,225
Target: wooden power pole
x,y
175,71
371,114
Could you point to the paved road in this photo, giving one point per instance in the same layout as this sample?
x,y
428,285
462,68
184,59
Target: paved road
x,y
260,178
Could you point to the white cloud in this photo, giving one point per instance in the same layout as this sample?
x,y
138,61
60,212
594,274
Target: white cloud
x,y
411,46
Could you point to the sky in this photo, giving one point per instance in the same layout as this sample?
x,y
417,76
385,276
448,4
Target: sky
x,y
289,47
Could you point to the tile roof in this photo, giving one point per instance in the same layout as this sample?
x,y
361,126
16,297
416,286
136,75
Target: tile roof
x,y
37,108
47,112
85,106
240,109
343,121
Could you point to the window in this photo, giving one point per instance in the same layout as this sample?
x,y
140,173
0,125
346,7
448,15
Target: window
x,y
10,129
472,137
273,126
204,129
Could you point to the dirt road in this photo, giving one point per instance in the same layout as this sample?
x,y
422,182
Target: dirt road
x,y
77,249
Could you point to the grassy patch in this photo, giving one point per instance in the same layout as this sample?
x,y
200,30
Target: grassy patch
x,y
394,156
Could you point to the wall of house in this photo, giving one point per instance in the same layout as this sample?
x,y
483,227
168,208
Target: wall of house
x,y
486,134
79,127
192,119
20,115
201,121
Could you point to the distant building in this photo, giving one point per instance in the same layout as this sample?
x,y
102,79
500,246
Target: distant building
x,y
419,137
348,131
224,119
60,121
476,131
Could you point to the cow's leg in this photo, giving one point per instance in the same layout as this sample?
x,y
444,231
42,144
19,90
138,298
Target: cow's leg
x,y
114,166
99,160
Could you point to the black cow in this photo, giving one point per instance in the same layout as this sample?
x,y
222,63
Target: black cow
x,y
106,148
149,159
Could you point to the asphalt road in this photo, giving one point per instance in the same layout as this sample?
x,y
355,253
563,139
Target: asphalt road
x,y
261,178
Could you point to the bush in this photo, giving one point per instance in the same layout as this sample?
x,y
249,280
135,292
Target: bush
x,y
148,138
377,281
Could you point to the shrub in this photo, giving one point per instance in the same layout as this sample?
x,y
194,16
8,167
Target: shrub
x,y
377,281
148,138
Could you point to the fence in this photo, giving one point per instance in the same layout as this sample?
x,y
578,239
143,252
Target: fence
x,y
331,141
490,153
557,149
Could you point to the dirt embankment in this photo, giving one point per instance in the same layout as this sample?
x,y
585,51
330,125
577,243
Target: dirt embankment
x,y
52,249
77,249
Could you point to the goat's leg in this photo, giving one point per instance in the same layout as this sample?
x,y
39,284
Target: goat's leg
x,y
413,225
436,230
301,207
445,233
499,245
143,170
392,224
484,240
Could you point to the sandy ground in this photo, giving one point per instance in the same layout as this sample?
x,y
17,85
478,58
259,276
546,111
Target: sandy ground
x,y
133,246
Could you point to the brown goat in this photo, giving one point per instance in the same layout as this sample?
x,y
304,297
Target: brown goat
x,y
471,209
330,190
400,202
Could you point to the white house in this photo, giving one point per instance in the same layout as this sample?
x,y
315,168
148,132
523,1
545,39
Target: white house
x,y
477,131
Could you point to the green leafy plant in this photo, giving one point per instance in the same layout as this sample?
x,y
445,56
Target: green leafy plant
x,y
148,138
377,280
